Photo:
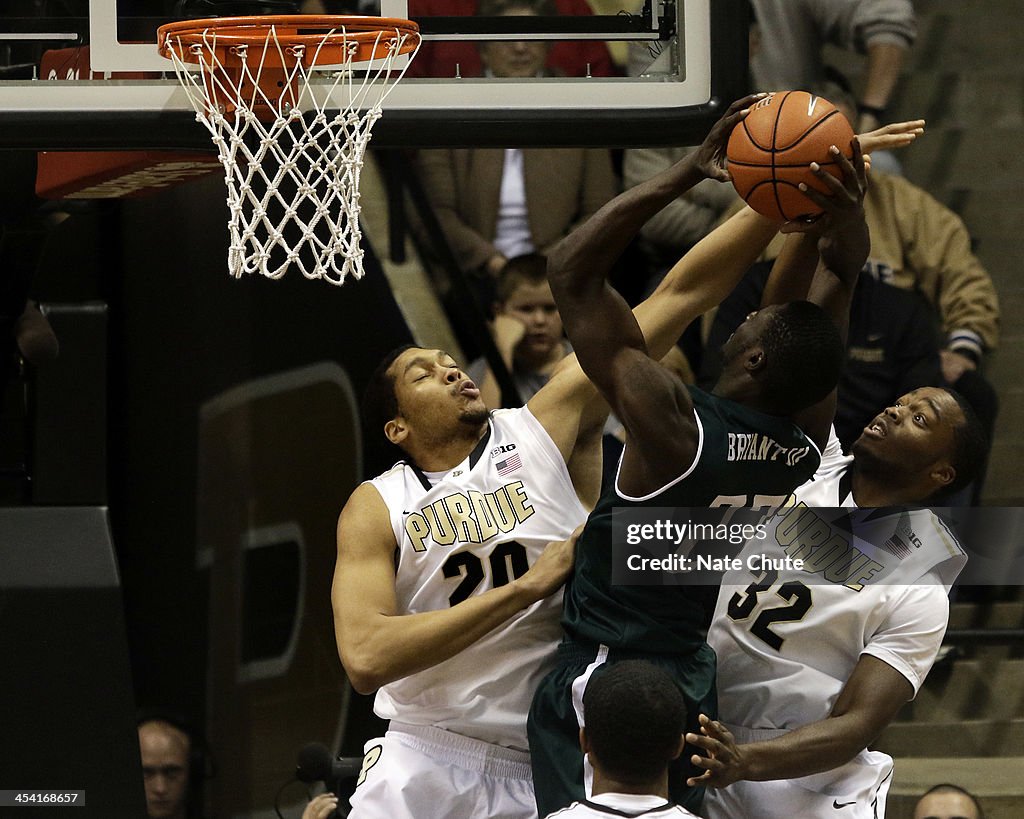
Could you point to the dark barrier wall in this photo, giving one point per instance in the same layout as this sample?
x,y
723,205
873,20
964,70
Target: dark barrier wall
x,y
69,454
68,720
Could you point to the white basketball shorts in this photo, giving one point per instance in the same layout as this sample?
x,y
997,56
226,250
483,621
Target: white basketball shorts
x,y
417,772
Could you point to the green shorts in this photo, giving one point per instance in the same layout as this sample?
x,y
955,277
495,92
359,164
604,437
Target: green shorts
x,y
554,725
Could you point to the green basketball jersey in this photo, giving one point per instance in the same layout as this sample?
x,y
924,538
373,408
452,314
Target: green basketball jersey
x,y
744,458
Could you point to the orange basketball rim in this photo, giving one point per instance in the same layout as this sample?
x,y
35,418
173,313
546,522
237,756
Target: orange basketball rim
x,y
322,39
263,56
290,102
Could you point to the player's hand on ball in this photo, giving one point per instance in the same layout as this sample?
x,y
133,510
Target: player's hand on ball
x,y
552,567
844,204
724,762
710,155
844,241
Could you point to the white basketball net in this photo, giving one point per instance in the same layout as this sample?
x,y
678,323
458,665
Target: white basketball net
x,y
293,182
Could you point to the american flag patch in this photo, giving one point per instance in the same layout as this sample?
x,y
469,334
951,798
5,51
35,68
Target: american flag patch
x,y
897,546
509,465
897,543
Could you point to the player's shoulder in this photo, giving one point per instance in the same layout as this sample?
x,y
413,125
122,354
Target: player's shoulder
x,y
507,415
515,421
396,469
388,479
937,535
520,421
365,516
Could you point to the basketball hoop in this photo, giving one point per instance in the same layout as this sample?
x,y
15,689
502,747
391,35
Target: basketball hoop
x,y
292,169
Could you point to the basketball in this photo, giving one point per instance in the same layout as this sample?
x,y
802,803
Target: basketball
x,y
770,150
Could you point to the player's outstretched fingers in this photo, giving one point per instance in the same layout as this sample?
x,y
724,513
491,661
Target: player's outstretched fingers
x,y
852,165
713,770
845,193
724,762
850,190
836,186
894,135
859,162
715,729
821,200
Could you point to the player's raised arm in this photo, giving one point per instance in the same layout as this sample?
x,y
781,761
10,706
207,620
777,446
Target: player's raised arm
x,y
706,275
598,321
822,260
696,283
566,406
703,278
608,340
794,269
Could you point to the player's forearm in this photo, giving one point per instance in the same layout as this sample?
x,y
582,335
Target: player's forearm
x,y
820,746
584,257
596,317
703,278
793,271
844,252
389,647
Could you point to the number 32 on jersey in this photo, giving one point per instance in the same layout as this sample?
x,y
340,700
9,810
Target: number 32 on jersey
x,y
796,602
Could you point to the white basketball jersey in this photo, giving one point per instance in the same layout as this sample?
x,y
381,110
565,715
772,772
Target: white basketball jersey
x,y
830,484
479,526
874,582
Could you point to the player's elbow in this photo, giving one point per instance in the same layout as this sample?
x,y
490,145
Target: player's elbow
x,y
364,671
370,660
557,259
564,269
364,683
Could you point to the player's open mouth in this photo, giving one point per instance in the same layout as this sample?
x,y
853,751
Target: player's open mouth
x,y
876,429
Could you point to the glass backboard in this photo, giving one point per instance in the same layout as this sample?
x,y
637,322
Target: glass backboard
x,y
100,83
